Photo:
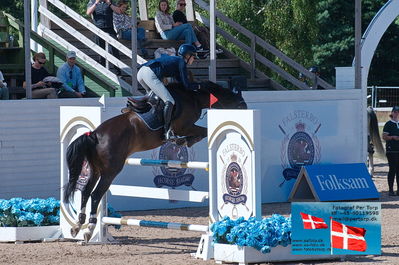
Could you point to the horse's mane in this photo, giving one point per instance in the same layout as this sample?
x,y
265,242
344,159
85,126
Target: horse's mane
x,y
209,87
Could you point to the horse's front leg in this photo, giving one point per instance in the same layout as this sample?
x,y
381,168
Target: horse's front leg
x,y
193,135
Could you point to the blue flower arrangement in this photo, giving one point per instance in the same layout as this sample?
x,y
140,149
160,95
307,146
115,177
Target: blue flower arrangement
x,y
259,234
18,212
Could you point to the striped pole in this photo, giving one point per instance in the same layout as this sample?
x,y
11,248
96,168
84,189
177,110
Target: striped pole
x,y
144,223
167,163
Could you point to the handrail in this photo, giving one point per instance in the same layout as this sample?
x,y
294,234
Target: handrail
x,y
36,37
262,43
85,40
90,26
86,58
258,56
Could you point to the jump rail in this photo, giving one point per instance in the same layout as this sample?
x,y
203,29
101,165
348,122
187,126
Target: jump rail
x,y
167,163
155,224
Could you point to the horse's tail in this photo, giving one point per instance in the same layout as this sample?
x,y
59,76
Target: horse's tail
x,y
79,150
374,131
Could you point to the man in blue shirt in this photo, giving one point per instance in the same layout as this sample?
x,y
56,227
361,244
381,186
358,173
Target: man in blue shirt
x,y
71,76
151,74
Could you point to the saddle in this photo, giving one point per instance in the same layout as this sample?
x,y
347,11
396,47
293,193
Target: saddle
x,y
150,107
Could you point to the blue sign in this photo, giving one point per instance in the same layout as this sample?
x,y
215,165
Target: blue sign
x,y
338,182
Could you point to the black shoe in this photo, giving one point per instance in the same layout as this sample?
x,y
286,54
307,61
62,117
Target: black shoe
x,y
391,193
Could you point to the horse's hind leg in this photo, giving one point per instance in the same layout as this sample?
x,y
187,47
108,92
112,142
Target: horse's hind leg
x,y
85,197
96,196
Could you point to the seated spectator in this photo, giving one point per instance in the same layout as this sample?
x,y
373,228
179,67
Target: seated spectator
x,y
40,89
123,25
4,94
201,32
71,77
171,30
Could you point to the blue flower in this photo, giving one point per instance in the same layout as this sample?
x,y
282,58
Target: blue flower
x,y
259,234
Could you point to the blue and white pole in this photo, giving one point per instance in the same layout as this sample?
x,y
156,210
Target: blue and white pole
x,y
155,224
167,163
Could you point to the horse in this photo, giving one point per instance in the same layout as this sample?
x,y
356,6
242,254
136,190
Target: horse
x,y
374,139
107,147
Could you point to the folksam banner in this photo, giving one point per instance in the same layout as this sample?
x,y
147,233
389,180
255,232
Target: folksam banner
x,y
336,182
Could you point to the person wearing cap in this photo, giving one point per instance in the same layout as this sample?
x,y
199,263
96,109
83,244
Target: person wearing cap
x,y
390,134
152,73
71,76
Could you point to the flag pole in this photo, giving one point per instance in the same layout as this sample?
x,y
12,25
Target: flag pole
x,y
331,247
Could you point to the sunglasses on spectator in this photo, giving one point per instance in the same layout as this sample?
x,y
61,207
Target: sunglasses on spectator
x,y
182,4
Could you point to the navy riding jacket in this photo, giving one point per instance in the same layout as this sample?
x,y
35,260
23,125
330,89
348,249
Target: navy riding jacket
x,y
171,66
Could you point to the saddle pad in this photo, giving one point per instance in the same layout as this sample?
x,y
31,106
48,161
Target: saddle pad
x,y
153,119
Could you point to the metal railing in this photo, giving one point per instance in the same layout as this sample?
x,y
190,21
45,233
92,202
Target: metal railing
x,y
255,56
382,96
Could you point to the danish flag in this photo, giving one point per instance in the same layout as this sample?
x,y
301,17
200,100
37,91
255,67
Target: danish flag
x,y
347,237
312,222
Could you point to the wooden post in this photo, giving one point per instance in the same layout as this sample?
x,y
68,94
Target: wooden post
x,y
28,70
43,19
190,10
134,46
143,10
212,22
253,56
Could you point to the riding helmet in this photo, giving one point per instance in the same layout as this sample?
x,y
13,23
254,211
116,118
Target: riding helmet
x,y
187,49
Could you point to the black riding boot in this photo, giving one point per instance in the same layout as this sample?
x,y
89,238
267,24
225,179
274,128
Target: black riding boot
x,y
167,116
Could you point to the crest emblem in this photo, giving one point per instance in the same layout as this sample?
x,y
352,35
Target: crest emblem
x,y
173,177
300,147
235,181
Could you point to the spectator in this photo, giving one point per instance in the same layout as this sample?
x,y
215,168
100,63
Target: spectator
x,y
170,30
390,134
102,13
123,25
201,32
315,70
71,77
40,89
4,94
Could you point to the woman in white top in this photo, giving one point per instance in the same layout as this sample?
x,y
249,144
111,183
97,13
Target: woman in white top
x,y
169,30
4,94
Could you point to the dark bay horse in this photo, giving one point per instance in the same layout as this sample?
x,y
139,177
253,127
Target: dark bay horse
x,y
107,147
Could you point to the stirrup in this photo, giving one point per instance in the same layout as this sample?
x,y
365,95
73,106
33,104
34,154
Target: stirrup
x,y
170,135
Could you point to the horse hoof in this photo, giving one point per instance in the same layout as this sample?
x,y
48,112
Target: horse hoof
x,y
74,231
87,236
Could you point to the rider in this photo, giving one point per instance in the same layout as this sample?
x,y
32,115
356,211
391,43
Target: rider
x,y
151,74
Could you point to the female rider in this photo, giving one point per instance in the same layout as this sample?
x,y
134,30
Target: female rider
x,y
151,74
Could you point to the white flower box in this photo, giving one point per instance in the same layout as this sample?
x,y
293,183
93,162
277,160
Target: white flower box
x,y
244,255
32,233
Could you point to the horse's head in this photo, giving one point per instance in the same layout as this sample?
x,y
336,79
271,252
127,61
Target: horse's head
x,y
226,98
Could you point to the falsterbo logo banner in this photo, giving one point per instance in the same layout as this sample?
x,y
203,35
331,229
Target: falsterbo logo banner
x,y
173,177
300,145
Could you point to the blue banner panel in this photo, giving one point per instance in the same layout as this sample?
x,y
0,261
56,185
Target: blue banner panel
x,y
341,182
336,228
